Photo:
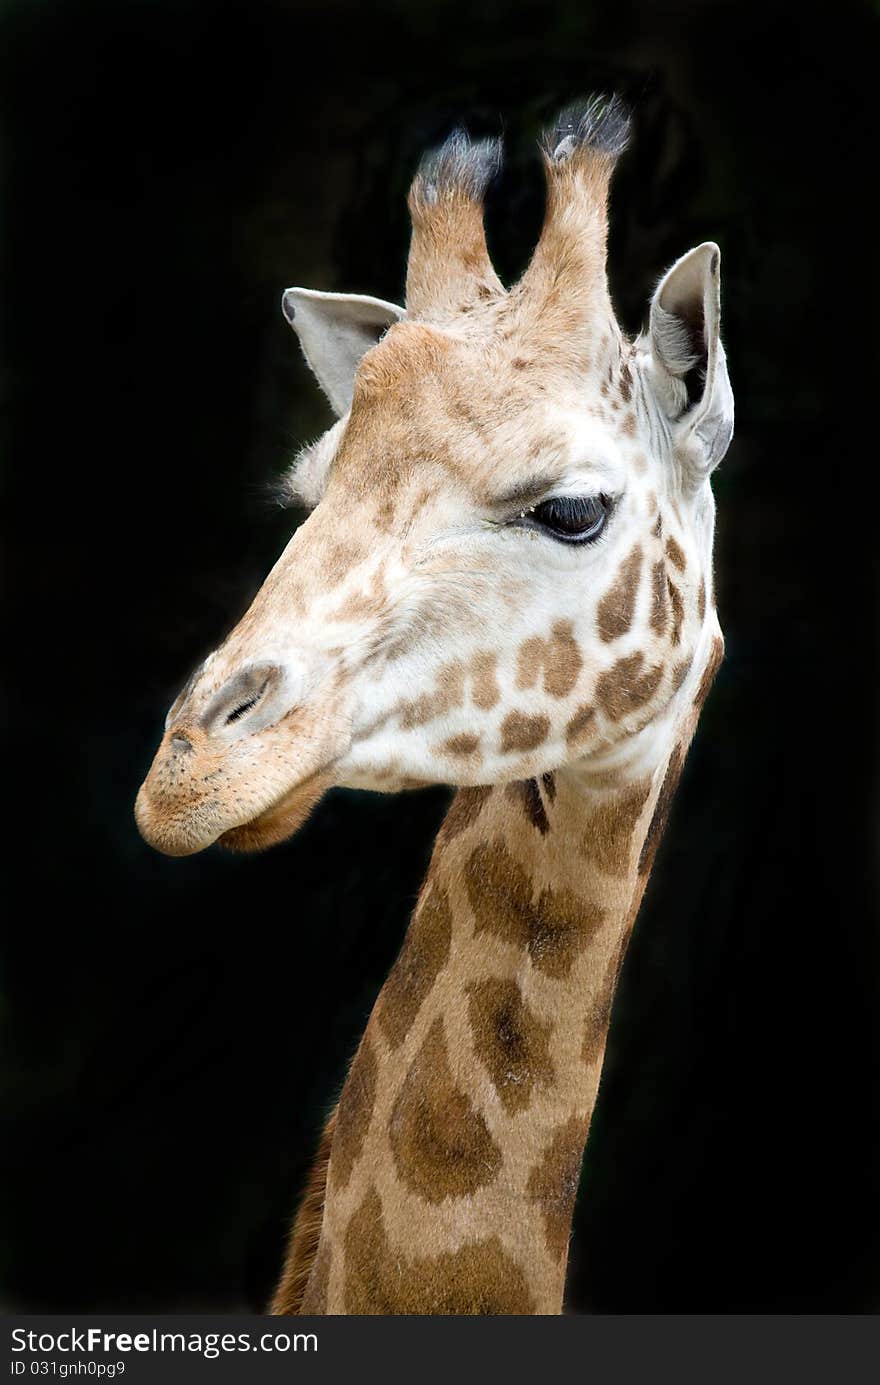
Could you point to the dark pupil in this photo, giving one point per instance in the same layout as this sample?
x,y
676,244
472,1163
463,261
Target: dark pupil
x,y
571,515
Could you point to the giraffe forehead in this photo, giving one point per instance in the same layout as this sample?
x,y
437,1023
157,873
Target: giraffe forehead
x,y
408,353
464,424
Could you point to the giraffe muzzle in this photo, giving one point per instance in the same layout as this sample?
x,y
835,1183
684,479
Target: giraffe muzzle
x,y
241,765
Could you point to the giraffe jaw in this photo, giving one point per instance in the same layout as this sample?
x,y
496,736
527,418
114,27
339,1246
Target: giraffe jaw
x,y
281,820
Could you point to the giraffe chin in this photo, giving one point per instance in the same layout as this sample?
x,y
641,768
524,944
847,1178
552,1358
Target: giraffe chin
x,y
280,821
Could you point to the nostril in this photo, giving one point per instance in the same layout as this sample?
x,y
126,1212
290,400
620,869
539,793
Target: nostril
x,y
180,743
243,708
246,691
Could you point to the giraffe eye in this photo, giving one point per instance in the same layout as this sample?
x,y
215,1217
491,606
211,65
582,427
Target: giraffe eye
x,y
572,519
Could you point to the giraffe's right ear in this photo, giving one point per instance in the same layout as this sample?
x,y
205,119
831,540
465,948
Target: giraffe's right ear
x,y
688,367
335,330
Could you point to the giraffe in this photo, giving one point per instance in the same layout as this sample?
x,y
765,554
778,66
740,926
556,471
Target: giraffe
x,y
504,584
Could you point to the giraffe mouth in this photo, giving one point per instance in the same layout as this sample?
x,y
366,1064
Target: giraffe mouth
x,y
280,821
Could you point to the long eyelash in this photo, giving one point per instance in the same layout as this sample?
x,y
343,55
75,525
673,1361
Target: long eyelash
x,y
571,506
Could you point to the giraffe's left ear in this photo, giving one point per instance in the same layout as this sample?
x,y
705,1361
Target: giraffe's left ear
x,y
335,330
687,365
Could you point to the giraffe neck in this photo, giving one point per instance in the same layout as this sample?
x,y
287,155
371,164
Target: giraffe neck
x,y
460,1130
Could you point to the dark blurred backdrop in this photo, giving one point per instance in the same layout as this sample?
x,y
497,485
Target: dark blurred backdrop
x,y
175,1030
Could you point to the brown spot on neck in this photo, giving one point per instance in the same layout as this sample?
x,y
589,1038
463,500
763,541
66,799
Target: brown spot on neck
x,y
478,1279
608,839
553,930
510,1040
440,1142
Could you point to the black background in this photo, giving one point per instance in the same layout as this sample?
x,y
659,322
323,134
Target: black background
x,y
175,1030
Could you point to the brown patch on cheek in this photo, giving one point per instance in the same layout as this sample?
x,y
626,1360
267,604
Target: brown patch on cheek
x,y
364,605
530,662
463,812
484,692
564,663
701,600
617,607
478,1279
549,782
675,553
680,673
677,612
340,559
558,658
384,514
510,1040
624,687
661,809
449,693
423,956
354,1113
553,1183
554,931
440,1142
520,732
527,794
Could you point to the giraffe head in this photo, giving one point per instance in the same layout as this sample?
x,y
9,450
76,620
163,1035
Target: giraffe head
x,y
507,564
